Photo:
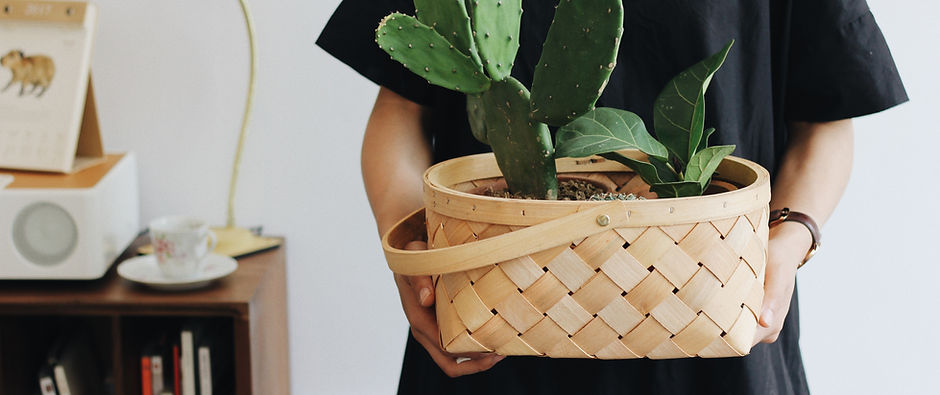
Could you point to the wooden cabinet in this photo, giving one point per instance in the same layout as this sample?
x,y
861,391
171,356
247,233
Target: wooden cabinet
x,y
249,305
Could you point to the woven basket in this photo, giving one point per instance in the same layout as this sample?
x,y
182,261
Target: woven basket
x,y
657,278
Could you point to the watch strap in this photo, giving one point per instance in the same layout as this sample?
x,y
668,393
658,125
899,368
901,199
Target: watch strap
x,y
783,215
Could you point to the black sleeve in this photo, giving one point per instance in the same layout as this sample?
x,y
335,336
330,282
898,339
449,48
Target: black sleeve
x,y
350,37
839,63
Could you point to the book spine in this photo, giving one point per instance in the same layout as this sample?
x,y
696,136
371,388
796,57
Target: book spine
x,y
61,381
46,386
187,363
176,370
205,372
146,382
156,369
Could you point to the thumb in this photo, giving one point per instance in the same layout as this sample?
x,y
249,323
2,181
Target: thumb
x,y
422,286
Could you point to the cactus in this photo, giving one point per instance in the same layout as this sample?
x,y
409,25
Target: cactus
x,y
498,106
477,117
579,54
449,19
523,147
429,55
496,32
470,46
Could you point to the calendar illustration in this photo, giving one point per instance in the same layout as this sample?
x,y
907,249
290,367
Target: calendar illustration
x,y
48,120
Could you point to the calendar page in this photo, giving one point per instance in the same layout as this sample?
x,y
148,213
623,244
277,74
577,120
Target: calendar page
x,y
45,52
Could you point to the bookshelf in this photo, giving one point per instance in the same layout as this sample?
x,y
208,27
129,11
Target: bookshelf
x,y
249,306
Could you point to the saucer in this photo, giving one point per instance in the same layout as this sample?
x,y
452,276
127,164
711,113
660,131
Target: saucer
x,y
143,269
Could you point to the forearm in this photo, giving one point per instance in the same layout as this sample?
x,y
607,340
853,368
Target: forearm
x,y
812,176
394,157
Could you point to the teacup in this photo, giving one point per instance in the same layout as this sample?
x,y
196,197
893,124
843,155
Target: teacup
x,y
181,245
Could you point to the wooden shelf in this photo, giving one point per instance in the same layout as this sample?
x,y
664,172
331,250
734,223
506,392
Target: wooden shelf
x,y
251,301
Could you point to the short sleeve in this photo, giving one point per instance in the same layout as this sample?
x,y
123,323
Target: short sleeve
x,y
350,37
839,63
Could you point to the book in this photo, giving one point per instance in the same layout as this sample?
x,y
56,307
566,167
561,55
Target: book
x,y
61,381
46,382
146,378
158,349
74,363
156,372
187,363
176,370
215,365
205,371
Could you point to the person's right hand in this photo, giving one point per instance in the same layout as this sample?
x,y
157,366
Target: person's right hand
x,y
417,300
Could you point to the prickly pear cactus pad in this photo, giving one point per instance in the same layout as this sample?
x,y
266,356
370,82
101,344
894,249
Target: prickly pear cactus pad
x,y
579,54
476,115
428,54
496,31
523,147
449,18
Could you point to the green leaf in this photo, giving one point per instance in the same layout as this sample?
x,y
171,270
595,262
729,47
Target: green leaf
x,y
606,130
677,189
679,110
646,170
698,127
704,143
703,164
665,171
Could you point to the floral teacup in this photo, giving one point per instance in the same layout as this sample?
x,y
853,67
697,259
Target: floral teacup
x,y
180,245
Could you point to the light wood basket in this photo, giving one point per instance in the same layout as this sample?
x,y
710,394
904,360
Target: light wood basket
x,y
657,278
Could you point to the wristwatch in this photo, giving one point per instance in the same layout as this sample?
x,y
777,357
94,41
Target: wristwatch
x,y
778,217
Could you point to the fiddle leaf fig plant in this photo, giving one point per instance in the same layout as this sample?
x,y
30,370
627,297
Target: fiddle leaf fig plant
x,y
469,46
680,163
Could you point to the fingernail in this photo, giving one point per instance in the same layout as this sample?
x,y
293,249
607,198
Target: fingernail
x,y
423,295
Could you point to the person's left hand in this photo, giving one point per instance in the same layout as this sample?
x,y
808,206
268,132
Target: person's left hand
x,y
788,244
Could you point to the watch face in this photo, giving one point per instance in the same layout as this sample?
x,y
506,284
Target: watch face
x,y
45,234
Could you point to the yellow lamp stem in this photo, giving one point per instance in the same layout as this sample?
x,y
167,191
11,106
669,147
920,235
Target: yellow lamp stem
x,y
230,217
235,241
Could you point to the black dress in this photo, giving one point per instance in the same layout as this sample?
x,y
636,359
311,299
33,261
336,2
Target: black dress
x,y
803,60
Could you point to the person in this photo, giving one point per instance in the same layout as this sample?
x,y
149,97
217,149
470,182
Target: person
x,y
799,71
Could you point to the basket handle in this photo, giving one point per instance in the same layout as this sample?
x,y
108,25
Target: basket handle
x,y
497,249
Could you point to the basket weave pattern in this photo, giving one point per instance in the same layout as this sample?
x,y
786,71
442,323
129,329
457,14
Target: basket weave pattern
x,y
657,292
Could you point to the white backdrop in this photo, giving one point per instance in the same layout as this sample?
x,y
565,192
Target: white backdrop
x,y
170,80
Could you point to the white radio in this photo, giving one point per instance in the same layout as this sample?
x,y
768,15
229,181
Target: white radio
x,y
67,226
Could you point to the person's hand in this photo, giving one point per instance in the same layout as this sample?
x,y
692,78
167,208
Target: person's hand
x,y
788,244
417,299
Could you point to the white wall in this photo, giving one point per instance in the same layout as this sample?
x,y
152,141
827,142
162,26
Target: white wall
x,y
170,81
868,302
